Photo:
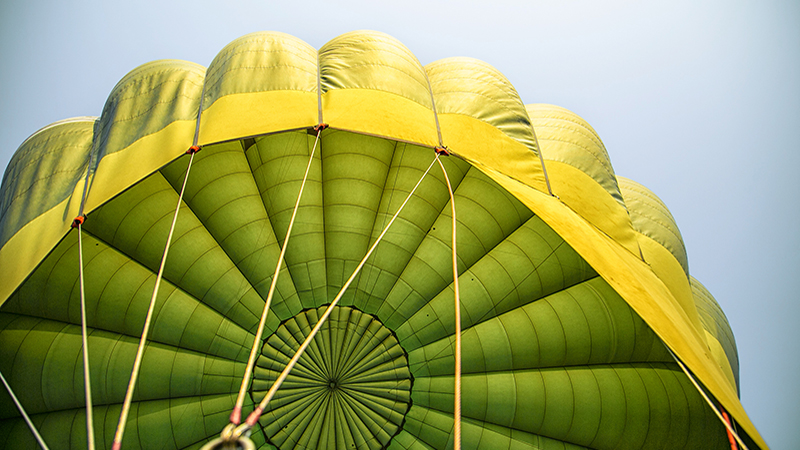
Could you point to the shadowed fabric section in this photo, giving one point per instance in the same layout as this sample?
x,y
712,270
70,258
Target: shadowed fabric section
x,y
350,389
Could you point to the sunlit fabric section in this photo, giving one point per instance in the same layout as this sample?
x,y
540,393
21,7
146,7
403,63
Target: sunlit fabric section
x,y
571,140
661,244
260,83
472,88
372,84
716,324
580,171
651,217
568,301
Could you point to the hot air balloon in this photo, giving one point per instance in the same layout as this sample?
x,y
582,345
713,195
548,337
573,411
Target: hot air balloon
x,y
581,326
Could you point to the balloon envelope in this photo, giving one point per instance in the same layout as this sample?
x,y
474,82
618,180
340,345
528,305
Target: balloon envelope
x,y
569,301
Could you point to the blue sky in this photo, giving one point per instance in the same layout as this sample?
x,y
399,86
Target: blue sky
x,y
698,102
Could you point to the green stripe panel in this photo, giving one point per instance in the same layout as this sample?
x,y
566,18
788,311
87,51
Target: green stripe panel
x,y
278,163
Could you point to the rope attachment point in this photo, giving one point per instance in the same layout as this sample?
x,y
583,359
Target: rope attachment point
x,y
442,151
78,221
193,149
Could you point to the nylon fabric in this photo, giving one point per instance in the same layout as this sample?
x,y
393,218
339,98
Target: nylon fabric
x,y
519,247
651,217
259,83
716,324
475,89
569,139
374,61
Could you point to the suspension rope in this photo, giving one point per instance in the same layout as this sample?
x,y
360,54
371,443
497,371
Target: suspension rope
x,y
24,414
236,415
457,298
87,382
243,430
123,417
728,426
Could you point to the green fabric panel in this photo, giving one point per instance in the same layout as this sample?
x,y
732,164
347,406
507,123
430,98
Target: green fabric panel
x,y
278,163
485,213
567,138
474,88
224,197
43,172
148,99
176,423
258,62
587,323
373,60
715,322
137,222
529,263
651,217
45,363
118,294
354,173
384,269
597,406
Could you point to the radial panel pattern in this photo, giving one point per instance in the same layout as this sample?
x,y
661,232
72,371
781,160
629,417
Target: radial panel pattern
x,y
350,389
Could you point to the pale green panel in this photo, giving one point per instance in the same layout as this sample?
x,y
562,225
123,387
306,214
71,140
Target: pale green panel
x,y
474,88
137,223
486,214
223,195
402,239
258,62
148,99
651,217
585,324
177,423
43,172
278,163
373,60
649,406
715,322
565,137
118,293
354,173
45,367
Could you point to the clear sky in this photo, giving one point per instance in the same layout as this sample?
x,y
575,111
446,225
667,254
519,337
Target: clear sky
x,y
699,101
